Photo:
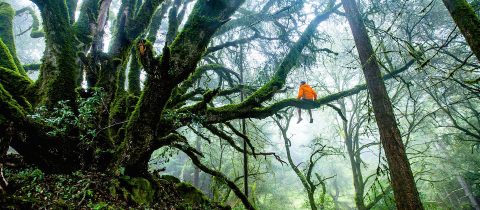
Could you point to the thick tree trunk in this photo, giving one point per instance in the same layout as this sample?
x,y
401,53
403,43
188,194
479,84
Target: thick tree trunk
x,y
178,61
467,21
403,183
59,70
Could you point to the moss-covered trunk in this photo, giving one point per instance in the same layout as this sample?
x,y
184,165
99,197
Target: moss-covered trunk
x,y
59,69
179,60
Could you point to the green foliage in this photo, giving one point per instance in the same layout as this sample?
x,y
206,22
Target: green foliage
x,y
6,59
64,120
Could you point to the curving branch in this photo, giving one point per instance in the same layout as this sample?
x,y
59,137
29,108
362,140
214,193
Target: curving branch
x,y
214,130
193,156
35,32
289,62
262,16
230,112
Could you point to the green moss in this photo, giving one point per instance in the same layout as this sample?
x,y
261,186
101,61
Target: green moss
x,y
157,21
88,14
32,67
6,59
170,178
139,190
9,107
139,22
6,33
192,198
191,194
134,75
120,109
59,68
15,83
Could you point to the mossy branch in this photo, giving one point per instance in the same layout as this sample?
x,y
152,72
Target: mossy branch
x,y
35,32
289,62
6,34
18,85
467,21
230,112
157,21
6,58
32,67
232,43
137,24
185,53
87,21
262,16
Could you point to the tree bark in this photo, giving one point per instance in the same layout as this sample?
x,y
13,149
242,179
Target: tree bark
x,y
58,74
467,21
196,170
468,192
7,36
403,183
176,64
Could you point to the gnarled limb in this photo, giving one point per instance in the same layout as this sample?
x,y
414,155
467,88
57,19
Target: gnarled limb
x,y
35,32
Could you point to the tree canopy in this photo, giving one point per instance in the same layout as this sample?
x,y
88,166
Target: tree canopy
x,y
109,91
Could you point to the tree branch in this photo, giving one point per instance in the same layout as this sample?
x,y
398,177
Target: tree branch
x,y
190,152
237,111
35,32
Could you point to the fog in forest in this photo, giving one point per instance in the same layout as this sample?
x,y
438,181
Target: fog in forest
x,y
193,104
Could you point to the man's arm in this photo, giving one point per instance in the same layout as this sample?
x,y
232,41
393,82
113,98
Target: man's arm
x,y
300,93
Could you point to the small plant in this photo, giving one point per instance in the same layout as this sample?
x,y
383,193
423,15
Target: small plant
x,y
63,119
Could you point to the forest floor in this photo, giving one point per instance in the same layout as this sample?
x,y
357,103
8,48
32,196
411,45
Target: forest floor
x,y
30,188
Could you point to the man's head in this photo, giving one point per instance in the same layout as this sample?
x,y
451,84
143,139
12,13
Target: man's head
x,y
302,82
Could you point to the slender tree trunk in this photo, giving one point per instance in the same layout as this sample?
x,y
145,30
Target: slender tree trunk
x,y
356,170
244,129
467,21
303,179
403,183
468,192
196,170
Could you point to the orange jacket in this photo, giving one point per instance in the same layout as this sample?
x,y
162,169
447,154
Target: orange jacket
x,y
306,92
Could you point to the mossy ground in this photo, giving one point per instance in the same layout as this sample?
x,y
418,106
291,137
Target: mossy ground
x,y
30,188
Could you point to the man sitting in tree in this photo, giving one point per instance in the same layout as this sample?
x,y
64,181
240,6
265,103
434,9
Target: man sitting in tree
x,y
305,93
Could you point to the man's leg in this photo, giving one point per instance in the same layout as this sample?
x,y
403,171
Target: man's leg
x,y
310,113
299,115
